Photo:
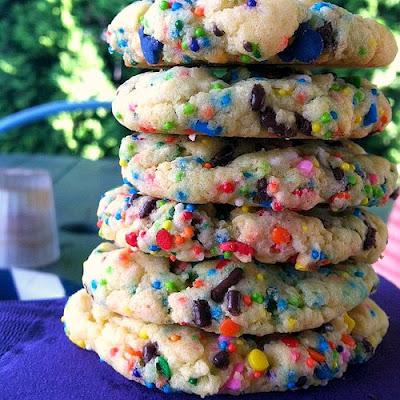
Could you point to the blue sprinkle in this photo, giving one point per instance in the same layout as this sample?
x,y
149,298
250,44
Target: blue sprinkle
x,y
374,92
266,204
133,191
136,373
307,46
372,116
190,207
181,196
372,312
320,5
282,305
251,3
291,385
216,313
149,385
166,388
154,247
221,237
291,375
357,212
322,256
182,163
223,345
204,127
205,42
194,45
151,47
118,216
359,274
334,115
176,6
315,254
199,160
93,284
186,59
135,175
122,43
323,372
322,345
247,174
121,30
211,272
225,100
156,285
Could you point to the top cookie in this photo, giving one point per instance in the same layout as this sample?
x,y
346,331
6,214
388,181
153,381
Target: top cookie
x,y
180,32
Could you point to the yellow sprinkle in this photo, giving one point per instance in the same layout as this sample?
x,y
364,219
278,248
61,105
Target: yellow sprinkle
x,y
357,119
167,225
123,163
245,209
316,163
372,42
292,323
345,166
174,338
316,127
304,227
143,334
284,92
300,267
349,322
79,342
126,310
260,277
258,360
364,201
347,91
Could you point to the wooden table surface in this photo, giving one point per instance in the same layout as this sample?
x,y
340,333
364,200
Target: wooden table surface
x,y
78,186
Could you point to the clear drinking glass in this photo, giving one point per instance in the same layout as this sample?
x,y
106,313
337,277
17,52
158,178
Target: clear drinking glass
x,y
28,228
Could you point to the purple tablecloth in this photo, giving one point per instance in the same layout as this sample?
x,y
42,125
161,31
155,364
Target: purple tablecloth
x,y
37,362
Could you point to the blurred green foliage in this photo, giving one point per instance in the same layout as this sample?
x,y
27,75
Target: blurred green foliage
x,y
53,49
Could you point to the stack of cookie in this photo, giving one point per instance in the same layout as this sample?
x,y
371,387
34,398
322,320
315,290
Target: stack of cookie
x,y
241,257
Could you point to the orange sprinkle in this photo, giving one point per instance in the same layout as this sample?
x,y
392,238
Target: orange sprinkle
x,y
332,345
179,240
348,340
207,165
273,187
113,351
188,232
316,355
170,139
199,11
207,113
132,352
175,338
310,362
257,374
229,328
281,235
172,258
198,283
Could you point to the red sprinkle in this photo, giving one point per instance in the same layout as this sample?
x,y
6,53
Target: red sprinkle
x,y
222,264
99,223
348,340
276,206
247,300
198,283
113,351
239,247
227,187
316,355
231,347
187,215
131,239
164,240
290,341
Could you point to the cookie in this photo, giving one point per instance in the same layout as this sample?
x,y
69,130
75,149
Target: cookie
x,y
224,296
187,232
174,358
275,175
240,102
160,32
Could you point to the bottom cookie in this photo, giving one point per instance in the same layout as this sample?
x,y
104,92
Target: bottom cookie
x,y
176,358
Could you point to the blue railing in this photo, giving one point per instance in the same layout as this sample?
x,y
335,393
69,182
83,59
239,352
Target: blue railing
x,y
44,111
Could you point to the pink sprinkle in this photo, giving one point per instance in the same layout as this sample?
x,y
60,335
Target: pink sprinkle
x,y
295,355
345,355
373,178
306,167
132,107
182,300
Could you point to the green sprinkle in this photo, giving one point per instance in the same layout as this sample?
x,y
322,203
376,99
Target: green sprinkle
x,y
244,190
131,148
257,298
179,176
193,381
140,19
368,190
164,5
159,145
199,32
326,118
359,97
214,251
336,87
328,135
118,115
352,179
109,269
168,76
179,25
103,282
185,46
189,109
163,367
217,85
219,72
362,51
228,255
295,301
266,167
256,51
169,125
378,191
244,58
161,203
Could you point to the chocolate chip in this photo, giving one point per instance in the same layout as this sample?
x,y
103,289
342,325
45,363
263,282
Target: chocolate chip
x,y
325,328
262,195
233,302
149,351
301,381
268,122
368,346
248,46
223,157
395,194
328,36
218,293
221,360
131,199
201,313
257,97
303,125
148,206
338,174
218,32
370,237
339,348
